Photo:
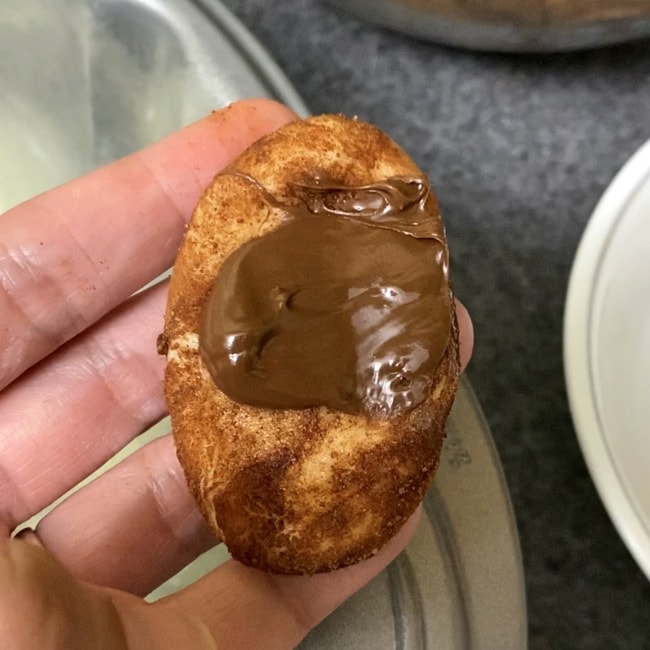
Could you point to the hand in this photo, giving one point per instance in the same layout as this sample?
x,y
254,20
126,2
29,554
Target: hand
x,y
80,377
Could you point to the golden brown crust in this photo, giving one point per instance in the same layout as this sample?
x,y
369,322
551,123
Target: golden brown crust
x,y
293,491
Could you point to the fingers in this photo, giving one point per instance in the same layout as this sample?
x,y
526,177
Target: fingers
x,y
76,409
466,334
69,256
233,607
131,528
42,606
135,526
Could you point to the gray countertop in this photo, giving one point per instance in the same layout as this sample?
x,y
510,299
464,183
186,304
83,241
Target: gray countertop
x,y
519,149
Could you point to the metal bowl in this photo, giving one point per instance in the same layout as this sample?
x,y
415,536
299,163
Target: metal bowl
x,y
84,82
510,25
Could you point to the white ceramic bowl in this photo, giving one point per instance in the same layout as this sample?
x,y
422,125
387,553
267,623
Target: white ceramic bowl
x,y
607,351
84,82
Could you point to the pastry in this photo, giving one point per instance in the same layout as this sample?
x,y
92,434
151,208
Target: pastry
x,y
312,346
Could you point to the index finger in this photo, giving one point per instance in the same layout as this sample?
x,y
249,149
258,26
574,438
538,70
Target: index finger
x,y
69,256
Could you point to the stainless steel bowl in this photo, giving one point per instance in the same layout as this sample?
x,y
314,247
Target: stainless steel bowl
x,y
511,25
85,82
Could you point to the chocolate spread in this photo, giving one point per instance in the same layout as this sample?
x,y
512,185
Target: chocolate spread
x,y
345,304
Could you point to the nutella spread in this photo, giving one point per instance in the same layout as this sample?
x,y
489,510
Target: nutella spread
x,y
344,305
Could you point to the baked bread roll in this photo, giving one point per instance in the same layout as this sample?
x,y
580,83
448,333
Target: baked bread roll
x,y
311,488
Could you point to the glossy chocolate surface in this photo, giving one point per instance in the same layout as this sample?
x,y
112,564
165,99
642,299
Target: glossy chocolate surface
x,y
345,304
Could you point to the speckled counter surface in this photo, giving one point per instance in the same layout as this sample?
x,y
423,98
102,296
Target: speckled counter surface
x,y
519,149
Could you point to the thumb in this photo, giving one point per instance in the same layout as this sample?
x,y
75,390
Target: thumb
x,y
44,606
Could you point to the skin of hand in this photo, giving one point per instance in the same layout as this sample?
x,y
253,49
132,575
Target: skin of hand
x,y
80,378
